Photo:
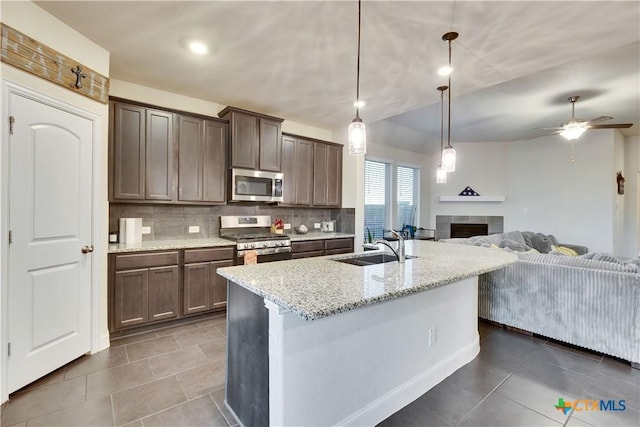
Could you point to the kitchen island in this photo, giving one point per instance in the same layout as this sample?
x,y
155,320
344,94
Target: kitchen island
x,y
321,342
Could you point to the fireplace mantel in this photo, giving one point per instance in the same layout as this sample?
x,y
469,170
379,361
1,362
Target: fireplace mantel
x,y
472,198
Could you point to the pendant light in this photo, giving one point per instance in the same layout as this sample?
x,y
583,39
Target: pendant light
x,y
441,174
357,130
449,154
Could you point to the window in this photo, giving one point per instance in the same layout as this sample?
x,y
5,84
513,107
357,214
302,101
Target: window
x,y
380,180
376,198
407,196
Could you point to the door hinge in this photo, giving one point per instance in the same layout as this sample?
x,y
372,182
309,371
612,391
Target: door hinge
x,y
12,121
9,349
10,237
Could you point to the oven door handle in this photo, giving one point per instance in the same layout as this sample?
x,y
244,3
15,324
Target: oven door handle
x,y
267,251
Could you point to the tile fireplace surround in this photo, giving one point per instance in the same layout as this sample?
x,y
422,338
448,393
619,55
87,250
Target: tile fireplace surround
x,y
443,223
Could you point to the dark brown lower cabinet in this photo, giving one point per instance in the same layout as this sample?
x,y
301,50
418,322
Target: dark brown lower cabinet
x,y
312,248
145,288
338,246
307,249
148,287
204,289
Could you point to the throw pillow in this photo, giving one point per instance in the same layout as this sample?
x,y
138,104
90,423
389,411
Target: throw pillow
x,y
564,250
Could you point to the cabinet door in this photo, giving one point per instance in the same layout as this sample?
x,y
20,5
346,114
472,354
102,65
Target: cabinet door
x,y
244,139
163,293
159,156
196,288
320,174
218,292
127,152
289,170
190,159
304,172
334,176
131,304
214,174
270,145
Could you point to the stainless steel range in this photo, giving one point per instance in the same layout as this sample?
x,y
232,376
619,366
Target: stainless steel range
x,y
252,233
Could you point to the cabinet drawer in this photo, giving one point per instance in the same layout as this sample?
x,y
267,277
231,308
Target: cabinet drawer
x,y
299,255
308,246
202,255
339,244
156,259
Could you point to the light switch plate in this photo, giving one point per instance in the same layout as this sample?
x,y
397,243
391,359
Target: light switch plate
x,y
194,229
316,225
287,226
146,230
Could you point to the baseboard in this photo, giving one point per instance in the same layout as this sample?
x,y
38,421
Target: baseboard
x,y
399,397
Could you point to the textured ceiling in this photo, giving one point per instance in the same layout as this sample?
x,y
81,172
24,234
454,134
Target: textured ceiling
x,y
515,62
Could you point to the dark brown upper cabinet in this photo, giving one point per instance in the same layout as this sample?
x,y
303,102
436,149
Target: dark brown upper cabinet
x,y
141,153
297,167
202,152
327,174
256,140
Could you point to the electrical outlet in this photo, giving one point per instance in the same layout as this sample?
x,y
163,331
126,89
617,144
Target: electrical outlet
x,y
287,226
316,225
433,336
194,229
146,230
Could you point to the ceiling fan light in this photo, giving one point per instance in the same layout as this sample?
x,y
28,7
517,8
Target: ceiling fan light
x,y
573,131
449,159
445,71
357,138
441,175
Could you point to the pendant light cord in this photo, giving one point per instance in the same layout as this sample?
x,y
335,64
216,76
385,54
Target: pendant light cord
x,y
358,68
449,112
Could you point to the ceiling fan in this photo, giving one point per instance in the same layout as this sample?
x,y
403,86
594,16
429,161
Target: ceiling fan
x,y
574,128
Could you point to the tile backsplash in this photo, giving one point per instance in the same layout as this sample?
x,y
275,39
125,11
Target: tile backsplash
x,y
173,221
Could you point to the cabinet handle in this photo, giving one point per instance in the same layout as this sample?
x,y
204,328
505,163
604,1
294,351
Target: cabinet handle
x,y
87,249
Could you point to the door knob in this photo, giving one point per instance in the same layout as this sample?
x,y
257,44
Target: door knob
x,y
87,249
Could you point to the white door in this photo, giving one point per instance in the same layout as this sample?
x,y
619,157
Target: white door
x,y
49,289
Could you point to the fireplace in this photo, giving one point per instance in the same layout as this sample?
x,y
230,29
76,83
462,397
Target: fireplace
x,y
469,230
494,224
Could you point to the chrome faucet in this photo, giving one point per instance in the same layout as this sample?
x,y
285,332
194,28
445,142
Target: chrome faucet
x,y
399,253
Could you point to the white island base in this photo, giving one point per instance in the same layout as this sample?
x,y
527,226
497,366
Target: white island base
x,y
353,368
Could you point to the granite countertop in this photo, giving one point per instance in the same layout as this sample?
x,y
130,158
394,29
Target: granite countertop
x,y
155,245
319,287
318,235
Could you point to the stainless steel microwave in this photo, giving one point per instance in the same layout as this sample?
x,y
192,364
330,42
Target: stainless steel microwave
x,y
255,186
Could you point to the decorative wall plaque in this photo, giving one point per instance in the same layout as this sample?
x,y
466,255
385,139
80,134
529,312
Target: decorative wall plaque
x,y
36,58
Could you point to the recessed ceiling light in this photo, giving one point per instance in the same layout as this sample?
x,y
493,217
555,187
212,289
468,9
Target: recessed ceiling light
x,y
445,71
359,104
198,48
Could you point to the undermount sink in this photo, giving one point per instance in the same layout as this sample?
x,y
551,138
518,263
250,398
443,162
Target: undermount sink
x,y
363,260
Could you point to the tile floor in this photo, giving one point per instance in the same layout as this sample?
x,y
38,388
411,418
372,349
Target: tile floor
x,y
169,377
516,380
175,377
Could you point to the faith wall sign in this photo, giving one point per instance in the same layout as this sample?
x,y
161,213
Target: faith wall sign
x,y
29,55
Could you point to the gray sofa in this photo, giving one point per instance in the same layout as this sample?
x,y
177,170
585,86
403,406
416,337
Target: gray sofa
x,y
591,300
